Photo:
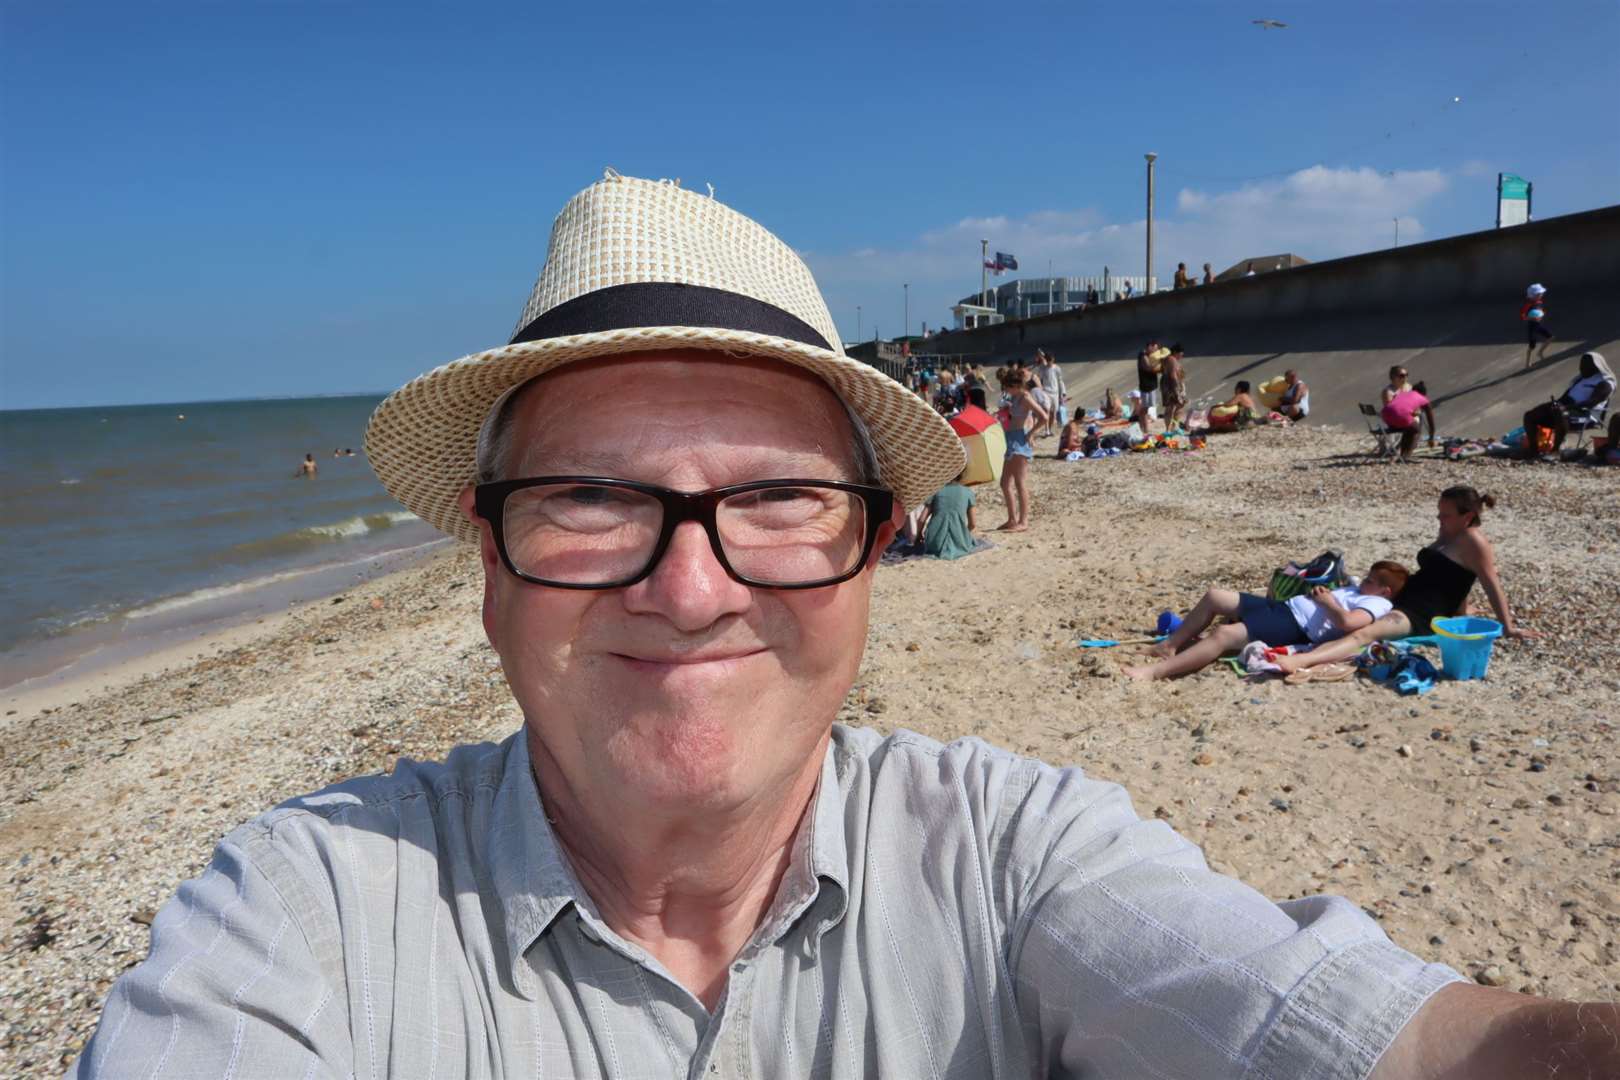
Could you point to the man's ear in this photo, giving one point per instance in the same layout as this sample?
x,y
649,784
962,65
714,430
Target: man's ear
x,y
488,556
885,534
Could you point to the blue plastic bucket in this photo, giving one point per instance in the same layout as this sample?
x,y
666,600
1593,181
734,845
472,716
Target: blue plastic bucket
x,y
1465,644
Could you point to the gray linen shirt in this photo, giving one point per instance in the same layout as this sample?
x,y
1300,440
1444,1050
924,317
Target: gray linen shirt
x,y
949,910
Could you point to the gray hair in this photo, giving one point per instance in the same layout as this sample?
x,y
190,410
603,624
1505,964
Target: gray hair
x,y
495,440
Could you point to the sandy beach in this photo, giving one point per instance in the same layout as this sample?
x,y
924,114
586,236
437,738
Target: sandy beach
x,y
1480,823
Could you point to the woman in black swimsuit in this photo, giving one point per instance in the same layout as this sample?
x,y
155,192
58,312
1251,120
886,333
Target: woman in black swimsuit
x,y
1447,570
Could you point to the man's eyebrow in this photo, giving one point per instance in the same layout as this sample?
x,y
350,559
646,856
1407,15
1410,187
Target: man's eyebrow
x,y
762,464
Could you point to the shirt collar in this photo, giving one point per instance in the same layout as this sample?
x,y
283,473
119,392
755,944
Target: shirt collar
x,y
534,883
531,878
819,855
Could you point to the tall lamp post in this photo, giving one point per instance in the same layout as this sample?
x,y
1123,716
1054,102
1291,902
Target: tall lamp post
x,y
858,323
984,266
907,287
1147,286
1397,232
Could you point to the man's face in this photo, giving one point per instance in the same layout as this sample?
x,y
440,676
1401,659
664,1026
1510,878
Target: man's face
x,y
688,688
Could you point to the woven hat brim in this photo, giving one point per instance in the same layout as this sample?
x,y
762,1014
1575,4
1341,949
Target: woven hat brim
x,y
422,440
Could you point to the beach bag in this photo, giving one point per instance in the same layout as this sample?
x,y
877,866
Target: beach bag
x,y
1296,579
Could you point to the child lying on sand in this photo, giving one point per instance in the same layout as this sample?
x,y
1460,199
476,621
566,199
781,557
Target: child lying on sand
x,y
1322,615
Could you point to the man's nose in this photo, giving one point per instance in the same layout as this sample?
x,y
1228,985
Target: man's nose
x,y
689,587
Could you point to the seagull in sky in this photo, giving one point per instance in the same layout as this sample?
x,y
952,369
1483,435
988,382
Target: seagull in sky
x,y
1269,24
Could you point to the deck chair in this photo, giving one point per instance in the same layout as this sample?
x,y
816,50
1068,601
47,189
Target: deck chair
x,y
1584,421
1382,436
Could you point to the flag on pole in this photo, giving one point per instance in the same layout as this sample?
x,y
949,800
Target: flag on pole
x,y
1003,261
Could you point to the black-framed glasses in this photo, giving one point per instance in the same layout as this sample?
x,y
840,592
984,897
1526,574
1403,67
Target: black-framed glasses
x,y
594,532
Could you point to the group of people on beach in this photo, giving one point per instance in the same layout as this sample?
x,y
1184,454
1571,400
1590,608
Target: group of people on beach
x,y
1390,602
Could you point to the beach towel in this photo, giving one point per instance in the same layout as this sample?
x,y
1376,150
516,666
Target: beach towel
x,y
901,552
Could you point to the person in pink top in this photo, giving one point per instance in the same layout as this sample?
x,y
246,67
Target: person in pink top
x,y
1400,415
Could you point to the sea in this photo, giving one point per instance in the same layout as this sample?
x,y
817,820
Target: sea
x,y
137,522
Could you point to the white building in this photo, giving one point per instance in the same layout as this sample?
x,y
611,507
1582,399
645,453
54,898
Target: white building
x,y
1030,298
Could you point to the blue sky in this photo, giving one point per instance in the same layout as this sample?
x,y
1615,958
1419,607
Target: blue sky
x,y
216,200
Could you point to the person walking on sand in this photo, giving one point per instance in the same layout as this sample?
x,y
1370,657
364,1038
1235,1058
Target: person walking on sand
x,y
678,489
1050,376
1023,415
1447,570
1534,315
306,468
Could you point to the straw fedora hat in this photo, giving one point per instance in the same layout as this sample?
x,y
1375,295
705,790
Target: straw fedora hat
x,y
634,266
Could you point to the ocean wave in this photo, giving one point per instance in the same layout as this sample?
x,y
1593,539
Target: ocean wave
x,y
215,592
357,526
58,625
314,536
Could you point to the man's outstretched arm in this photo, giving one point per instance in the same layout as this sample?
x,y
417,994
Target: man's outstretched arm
x,y
1477,1033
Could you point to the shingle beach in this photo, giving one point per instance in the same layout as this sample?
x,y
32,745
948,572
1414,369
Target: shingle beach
x,y
1480,823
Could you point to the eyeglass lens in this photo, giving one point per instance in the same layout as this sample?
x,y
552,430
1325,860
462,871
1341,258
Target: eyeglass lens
x,y
589,534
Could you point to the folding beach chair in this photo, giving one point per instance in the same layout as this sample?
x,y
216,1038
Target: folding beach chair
x,y
1584,421
1382,436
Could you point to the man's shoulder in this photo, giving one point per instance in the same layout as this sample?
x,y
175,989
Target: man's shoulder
x,y
868,760
469,774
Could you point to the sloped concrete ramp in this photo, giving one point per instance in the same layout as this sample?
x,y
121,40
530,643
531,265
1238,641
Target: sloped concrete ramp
x,y
1471,356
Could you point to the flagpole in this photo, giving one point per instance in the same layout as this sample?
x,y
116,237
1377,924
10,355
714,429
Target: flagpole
x,y
984,267
1147,284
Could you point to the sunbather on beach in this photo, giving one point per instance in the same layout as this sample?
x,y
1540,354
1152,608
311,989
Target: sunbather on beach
x,y
1113,407
1242,400
1069,438
1447,570
1323,615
